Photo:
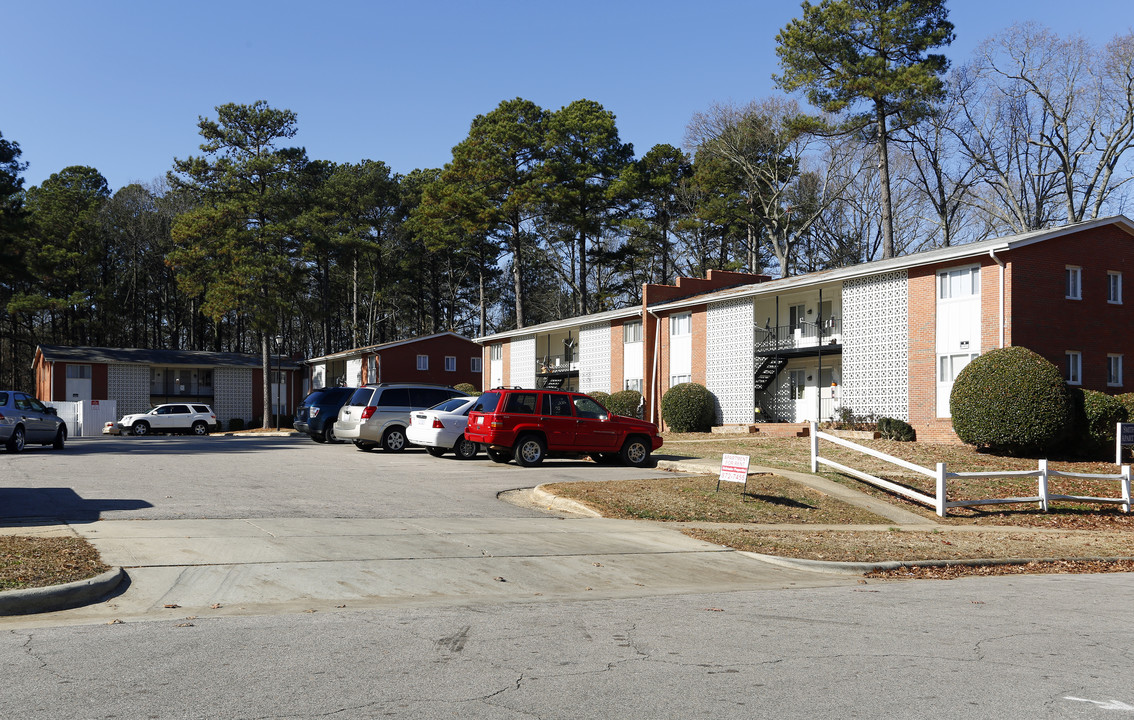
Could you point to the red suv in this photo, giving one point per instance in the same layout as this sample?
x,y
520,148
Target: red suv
x,y
529,425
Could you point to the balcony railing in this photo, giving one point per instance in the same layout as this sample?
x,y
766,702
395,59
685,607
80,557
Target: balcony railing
x,y
793,337
555,364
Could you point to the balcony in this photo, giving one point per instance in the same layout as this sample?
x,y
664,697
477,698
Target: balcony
x,y
805,338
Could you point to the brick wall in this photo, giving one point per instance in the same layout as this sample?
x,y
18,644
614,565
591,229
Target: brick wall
x,y
616,357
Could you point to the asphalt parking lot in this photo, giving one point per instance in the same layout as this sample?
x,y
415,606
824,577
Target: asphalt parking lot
x,y
219,477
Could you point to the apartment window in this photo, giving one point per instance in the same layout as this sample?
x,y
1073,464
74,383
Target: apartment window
x,y
78,372
678,379
631,332
474,365
1114,288
950,366
1074,283
953,284
450,363
497,352
633,385
1114,370
422,362
1074,367
681,324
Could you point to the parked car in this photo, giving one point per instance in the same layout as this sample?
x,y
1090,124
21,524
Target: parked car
x,y
530,425
24,419
441,428
172,418
316,415
377,415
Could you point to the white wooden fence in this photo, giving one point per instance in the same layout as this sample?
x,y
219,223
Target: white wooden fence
x,y
940,502
86,418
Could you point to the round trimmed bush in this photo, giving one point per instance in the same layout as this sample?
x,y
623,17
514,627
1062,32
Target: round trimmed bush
x,y
1012,400
602,398
467,388
1096,415
624,402
688,407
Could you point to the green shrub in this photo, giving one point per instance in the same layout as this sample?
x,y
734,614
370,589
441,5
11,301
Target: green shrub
x,y
1127,399
1011,400
688,407
1096,415
467,388
235,424
624,402
602,398
895,429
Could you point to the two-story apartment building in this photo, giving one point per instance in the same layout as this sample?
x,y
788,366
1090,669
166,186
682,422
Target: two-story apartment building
x,y
885,338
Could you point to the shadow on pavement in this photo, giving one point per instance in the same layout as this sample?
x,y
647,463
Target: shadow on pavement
x,y
49,506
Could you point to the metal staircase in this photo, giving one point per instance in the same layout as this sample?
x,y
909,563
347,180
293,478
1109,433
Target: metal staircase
x,y
766,371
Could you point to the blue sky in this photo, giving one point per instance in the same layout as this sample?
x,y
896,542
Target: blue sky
x,y
119,85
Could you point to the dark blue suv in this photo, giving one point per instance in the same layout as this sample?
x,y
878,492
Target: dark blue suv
x,y
317,413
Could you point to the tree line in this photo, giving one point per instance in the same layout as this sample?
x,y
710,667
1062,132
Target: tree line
x,y
543,214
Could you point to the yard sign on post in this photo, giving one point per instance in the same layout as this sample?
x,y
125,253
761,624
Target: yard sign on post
x,y
734,468
1123,437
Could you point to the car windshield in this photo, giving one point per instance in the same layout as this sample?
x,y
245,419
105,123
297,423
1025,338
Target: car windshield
x,y
487,402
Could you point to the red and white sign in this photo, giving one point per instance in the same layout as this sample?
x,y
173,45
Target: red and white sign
x,y
734,468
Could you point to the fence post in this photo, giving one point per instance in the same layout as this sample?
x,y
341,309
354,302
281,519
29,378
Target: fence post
x,y
1118,444
1043,484
814,447
942,505
1126,488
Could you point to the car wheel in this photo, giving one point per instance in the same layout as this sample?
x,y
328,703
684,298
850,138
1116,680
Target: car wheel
x,y
60,438
435,451
498,456
465,449
15,443
329,434
363,445
317,437
636,452
200,428
140,428
394,439
529,451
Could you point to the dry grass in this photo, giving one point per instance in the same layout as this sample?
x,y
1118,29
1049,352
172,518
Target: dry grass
x,y
29,562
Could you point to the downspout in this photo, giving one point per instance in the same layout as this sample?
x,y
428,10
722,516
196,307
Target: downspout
x,y
992,254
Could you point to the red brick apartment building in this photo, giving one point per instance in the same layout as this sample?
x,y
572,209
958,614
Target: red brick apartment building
x,y
444,358
885,338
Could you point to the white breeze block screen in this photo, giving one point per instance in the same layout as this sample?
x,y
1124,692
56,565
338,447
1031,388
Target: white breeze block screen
x,y
232,394
522,370
594,358
728,359
876,345
129,386
354,372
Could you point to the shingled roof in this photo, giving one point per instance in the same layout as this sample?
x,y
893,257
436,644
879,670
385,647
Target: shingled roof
x,y
138,356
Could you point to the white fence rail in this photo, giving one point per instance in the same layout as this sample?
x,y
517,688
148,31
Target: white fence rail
x,y
941,476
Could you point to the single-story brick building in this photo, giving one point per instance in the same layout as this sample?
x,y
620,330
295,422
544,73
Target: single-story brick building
x,y
444,358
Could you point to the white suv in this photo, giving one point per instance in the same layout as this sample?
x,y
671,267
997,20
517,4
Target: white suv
x,y
173,418
379,414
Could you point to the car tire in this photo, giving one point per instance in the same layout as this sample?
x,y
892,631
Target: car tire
x,y
394,439
498,456
636,451
60,438
465,449
16,443
435,451
329,434
363,445
318,437
140,428
529,451
200,428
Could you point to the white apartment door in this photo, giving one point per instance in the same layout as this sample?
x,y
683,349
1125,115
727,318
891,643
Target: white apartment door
x,y
802,396
496,366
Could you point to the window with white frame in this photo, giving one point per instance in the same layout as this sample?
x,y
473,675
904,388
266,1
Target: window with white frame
x,y
497,352
1074,282
78,372
961,283
1114,370
1114,288
422,362
475,365
1074,368
681,324
950,366
450,363
635,384
632,332
678,379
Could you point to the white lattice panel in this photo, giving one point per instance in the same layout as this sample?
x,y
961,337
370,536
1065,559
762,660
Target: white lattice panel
x,y
129,386
876,345
728,359
521,373
232,394
594,358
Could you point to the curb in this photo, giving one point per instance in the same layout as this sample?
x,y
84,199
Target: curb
x,y
541,497
60,597
853,568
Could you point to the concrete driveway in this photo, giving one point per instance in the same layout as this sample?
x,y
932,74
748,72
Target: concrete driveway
x,y
265,525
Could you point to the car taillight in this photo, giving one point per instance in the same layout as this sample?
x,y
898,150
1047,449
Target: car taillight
x,y
495,425
313,411
437,425
367,412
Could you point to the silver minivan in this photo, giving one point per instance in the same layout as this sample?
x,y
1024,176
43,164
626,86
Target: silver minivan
x,y
377,415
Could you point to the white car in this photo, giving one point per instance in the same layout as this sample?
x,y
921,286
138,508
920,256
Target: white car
x,y
442,428
173,418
